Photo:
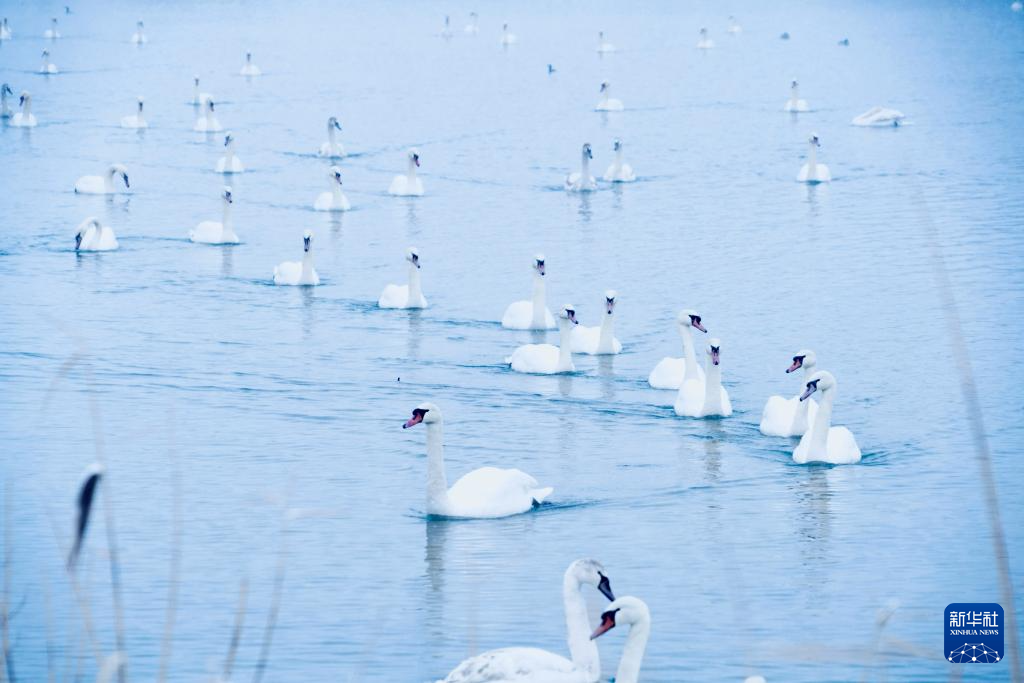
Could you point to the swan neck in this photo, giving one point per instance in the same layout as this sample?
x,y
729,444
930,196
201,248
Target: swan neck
x,y
307,266
539,302
415,290
822,423
607,338
633,652
226,218
582,650
108,182
26,107
564,344
336,193
794,95
330,135
584,166
437,482
712,387
812,157
618,156
411,172
690,357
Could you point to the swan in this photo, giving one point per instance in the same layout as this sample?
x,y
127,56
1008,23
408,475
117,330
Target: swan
x,y
705,43
5,109
446,32
582,181
5,30
250,69
532,314
94,184
486,492
634,613
472,27
879,116
298,272
512,664
207,122
48,67
711,399
671,373
1016,6
198,98
52,33
139,38
734,26
332,148
334,200
409,295
136,120
24,118
507,37
812,172
94,236
548,359
791,416
212,232
822,442
229,163
794,103
607,103
408,185
603,46
599,341
619,171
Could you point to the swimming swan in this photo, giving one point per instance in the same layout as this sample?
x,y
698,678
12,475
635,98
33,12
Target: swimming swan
x,y
880,116
619,171
507,37
705,43
791,416
5,30
548,359
671,373
48,67
332,148
409,295
473,27
207,122
250,69
582,181
603,46
520,664
298,272
794,103
714,400
446,31
198,98
824,443
136,120
632,612
734,26
599,341
607,103
812,172
52,33
94,184
5,109
532,314
212,232
335,199
486,492
229,163
139,38
24,118
408,185
94,236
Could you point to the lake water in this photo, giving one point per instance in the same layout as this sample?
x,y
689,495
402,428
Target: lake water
x,y
267,398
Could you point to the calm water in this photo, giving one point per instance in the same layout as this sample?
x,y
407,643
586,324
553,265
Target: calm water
x,y
269,397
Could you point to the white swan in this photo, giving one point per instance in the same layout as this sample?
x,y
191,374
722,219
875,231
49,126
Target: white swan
x,y
332,148
5,30
139,38
603,46
705,43
633,612
136,120
532,314
671,373
1016,6
229,163
734,26
607,102
298,272
507,37
548,359
791,416
408,295
92,235
486,492
582,181
212,232
48,67
812,172
880,116
94,184
823,442
5,109
599,341
52,33
446,31
794,103
198,98
250,69
713,401
207,122
520,664
334,199
24,118
473,27
619,171
408,185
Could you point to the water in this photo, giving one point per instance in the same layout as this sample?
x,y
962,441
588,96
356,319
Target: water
x,y
267,398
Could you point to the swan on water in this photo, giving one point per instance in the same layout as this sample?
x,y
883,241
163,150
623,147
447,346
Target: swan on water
x,y
52,33
298,272
139,37
532,314
198,98
607,102
881,117
713,401
705,43
791,416
632,612
94,184
24,118
812,172
734,26
548,359
600,340
212,232
486,492
408,185
408,295
5,30
48,67
671,373
207,122
334,199
446,31
794,103
250,69
229,163
136,120
332,148
619,171
1016,6
92,235
603,46
473,26
823,442
507,37
582,181
5,109
521,664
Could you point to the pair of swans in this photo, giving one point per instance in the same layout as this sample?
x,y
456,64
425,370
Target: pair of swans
x,y
603,46
212,232
24,118
299,273
139,38
507,37
617,172
705,43
548,359
52,33
407,184
794,104
409,295
823,442
229,163
94,184
791,416
812,172
250,69
532,314
332,149
48,67
607,102
880,117
207,121
91,235
699,391
334,199
136,120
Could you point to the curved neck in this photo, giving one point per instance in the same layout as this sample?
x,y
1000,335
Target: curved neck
x,y
564,344
607,339
812,156
229,153
690,358
415,291
712,387
336,193
330,134
585,163
539,302
26,107
437,483
633,653
799,424
582,650
822,423
108,182
411,172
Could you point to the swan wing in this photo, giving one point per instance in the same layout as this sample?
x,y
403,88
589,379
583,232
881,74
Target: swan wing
x,y
495,492
668,373
516,665
777,416
519,316
394,296
585,339
288,273
842,447
690,400
535,358
90,184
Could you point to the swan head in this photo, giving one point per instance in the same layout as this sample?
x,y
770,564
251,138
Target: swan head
x,y
804,358
121,170
704,32
335,173
504,27
25,97
228,138
690,318
195,80
141,100
226,194
307,240
139,23
609,300
605,85
333,123
426,413
714,349
46,54
591,572
794,85
617,145
90,222
209,105
248,56
568,313
412,255
820,381
414,156
814,140
626,610
587,152
538,264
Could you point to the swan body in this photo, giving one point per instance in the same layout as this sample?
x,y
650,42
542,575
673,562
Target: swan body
x,y
734,27
48,67
532,314
334,199
794,103
607,102
472,27
408,295
619,171
507,37
880,117
582,181
136,120
139,38
5,109
207,122
5,30
603,46
94,184
212,232
547,359
713,401
24,118
487,492
52,33
298,273
332,148
791,416
250,69
671,373
812,172
599,341
198,98
705,43
229,163
823,442
94,236
408,185
632,612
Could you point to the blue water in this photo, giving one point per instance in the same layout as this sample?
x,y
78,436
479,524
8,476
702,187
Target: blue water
x,y
269,398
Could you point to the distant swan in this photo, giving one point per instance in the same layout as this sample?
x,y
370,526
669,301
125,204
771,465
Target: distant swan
x,y
139,38
24,118
734,26
207,122
486,492
619,171
136,120
334,199
548,359
582,181
472,27
332,148
94,236
52,33
607,103
5,109
532,314
824,443
714,400
94,184
5,30
794,103
298,272
48,67
705,43
1016,6
634,613
250,69
671,373
603,46
212,232
791,416
199,98
408,185
879,116
507,37
408,295
446,31
599,341
229,163
812,172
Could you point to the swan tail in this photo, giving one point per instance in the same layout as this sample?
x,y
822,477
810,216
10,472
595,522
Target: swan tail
x,y
540,494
